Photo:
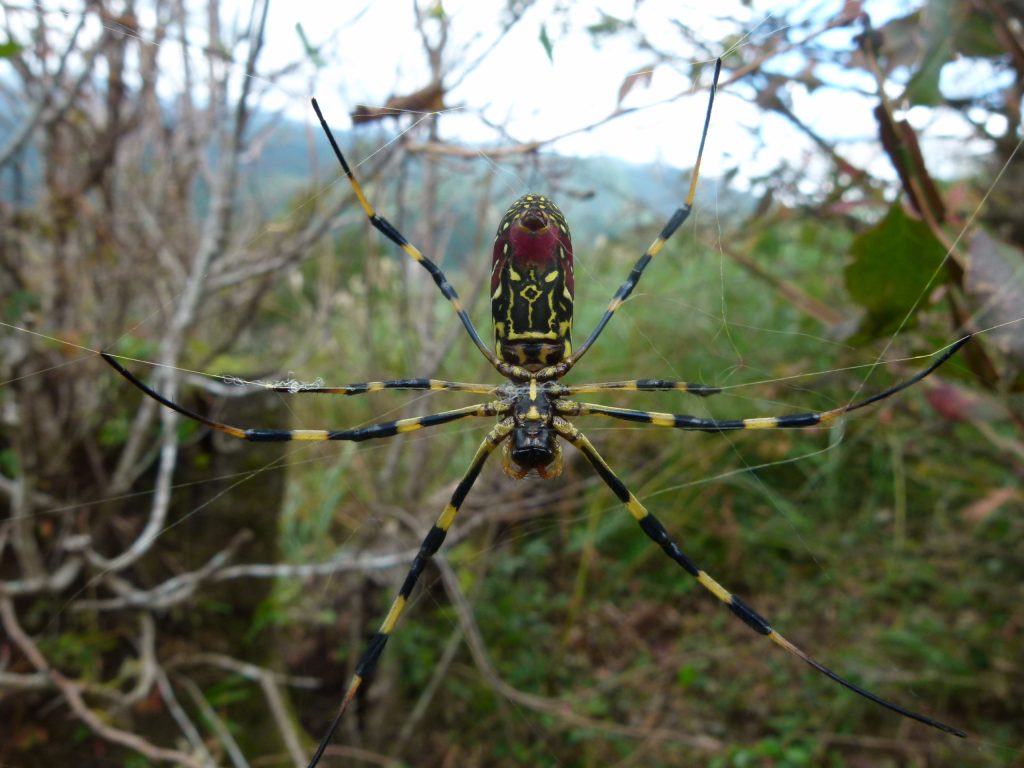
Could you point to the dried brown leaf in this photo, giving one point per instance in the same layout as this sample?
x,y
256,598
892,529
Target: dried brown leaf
x,y
633,79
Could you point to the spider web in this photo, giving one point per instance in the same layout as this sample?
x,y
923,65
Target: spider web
x,y
399,508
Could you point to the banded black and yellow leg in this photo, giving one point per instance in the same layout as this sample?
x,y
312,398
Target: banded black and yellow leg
x,y
793,421
642,385
389,231
676,221
373,431
657,533
434,385
431,543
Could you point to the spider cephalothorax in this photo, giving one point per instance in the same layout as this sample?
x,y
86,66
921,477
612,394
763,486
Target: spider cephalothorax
x,y
532,284
532,446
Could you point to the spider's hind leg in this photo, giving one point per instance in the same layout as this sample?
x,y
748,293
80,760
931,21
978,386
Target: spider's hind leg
x,y
657,533
431,543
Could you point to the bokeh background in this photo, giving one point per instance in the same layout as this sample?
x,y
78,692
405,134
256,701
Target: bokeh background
x,y
170,596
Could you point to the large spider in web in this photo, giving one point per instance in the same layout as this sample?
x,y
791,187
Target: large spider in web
x,y
531,310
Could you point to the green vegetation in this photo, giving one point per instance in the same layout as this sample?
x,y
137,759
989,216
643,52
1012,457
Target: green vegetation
x,y
879,547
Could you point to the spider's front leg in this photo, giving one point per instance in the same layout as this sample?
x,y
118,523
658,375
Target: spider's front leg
x,y
431,543
675,221
390,231
657,533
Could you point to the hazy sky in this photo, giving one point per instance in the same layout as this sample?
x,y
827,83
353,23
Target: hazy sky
x,y
380,53
371,50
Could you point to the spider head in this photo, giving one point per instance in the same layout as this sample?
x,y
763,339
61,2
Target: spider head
x,y
532,284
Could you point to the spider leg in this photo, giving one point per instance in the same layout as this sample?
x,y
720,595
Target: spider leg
x,y
391,233
793,421
657,533
643,385
655,247
384,429
431,543
379,386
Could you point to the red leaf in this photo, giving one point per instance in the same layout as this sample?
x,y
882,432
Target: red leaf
x,y
640,77
984,508
951,402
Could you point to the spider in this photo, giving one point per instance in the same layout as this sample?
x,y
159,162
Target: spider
x,y
532,290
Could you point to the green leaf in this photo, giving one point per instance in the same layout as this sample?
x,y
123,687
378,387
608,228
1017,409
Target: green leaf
x,y
890,272
977,37
312,52
923,87
20,303
546,42
10,49
114,432
9,462
686,676
607,26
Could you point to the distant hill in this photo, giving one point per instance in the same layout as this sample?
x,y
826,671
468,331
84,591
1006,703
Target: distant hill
x,y
601,197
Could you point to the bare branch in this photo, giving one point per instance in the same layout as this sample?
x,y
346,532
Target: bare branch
x,y
187,727
171,592
243,668
216,723
73,697
31,120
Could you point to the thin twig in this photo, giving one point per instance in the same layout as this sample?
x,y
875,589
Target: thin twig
x,y
243,668
281,718
73,697
216,723
187,727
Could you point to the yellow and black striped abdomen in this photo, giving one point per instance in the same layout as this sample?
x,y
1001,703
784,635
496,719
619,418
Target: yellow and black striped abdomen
x,y
532,284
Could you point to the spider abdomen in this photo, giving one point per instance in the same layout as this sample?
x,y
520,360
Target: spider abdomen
x,y
532,284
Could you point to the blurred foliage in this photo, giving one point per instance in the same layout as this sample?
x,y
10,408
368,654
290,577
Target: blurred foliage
x,y
859,545
889,265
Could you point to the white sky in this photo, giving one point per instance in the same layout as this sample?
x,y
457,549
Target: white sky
x,y
522,88
380,54
373,51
